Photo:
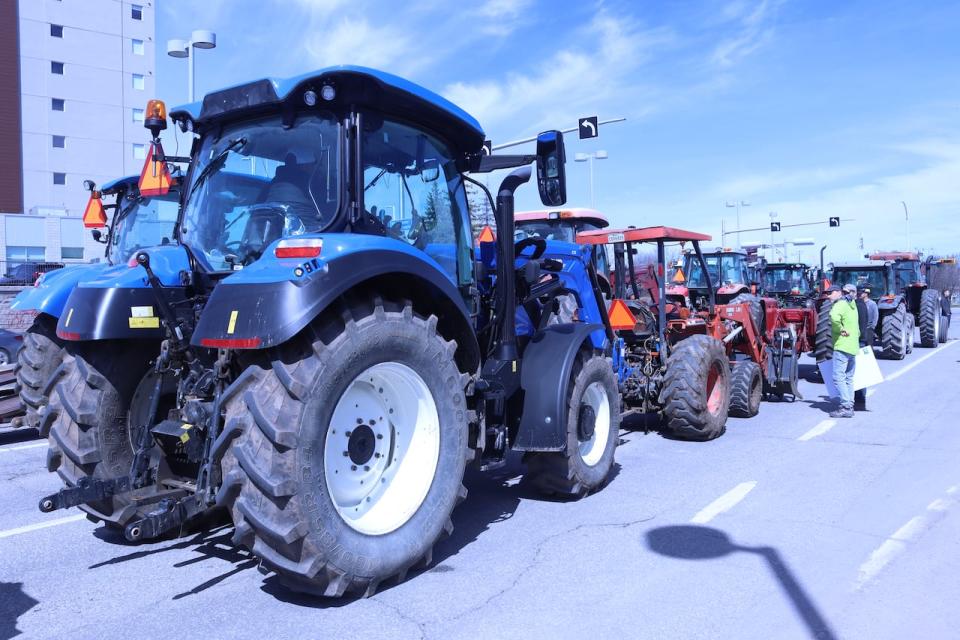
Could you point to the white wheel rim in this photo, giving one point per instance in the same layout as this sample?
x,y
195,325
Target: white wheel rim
x,y
596,398
3,358
382,448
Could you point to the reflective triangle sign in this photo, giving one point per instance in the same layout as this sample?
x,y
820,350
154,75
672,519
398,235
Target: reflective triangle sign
x,y
155,178
486,235
94,216
678,276
620,316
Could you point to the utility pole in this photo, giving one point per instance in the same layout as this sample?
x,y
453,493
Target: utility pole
x,y
738,204
906,217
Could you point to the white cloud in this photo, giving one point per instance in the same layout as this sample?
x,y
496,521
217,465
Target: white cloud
x,y
773,181
752,31
356,41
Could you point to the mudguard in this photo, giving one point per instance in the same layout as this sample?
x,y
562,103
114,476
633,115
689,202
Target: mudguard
x,y
51,294
890,304
116,302
270,301
548,360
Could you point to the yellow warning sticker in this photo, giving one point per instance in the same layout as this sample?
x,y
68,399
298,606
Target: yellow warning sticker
x,y
144,323
185,436
233,321
69,315
141,312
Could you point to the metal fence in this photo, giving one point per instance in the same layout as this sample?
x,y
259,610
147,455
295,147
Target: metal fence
x,y
23,273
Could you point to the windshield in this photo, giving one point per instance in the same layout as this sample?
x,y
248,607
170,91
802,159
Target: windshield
x,y
141,223
724,269
257,182
785,280
872,278
907,273
551,229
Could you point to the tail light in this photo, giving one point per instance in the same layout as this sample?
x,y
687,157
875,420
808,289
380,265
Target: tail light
x,y
298,248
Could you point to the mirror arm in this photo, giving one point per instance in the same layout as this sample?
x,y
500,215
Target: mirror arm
x,y
486,164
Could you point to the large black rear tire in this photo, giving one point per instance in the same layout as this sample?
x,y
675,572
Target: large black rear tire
x,y
894,339
696,389
930,318
910,331
944,328
287,506
37,360
86,419
593,426
823,348
746,389
756,309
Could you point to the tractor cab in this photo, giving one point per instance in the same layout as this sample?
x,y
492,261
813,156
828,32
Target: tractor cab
x,y
789,282
726,271
138,221
875,275
564,225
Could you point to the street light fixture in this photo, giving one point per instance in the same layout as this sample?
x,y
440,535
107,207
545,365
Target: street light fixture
x,y
738,204
199,39
590,157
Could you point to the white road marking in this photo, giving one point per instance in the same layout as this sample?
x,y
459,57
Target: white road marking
x,y
724,503
900,372
818,430
871,391
21,447
898,542
41,525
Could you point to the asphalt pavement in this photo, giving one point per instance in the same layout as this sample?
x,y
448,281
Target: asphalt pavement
x,y
791,525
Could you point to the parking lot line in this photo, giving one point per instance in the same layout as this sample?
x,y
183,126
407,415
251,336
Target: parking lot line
x,y
900,372
41,525
724,503
818,430
34,445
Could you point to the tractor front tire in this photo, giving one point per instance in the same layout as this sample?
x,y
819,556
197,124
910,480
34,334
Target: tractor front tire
x,y
944,328
696,389
910,331
746,389
823,347
37,360
930,318
347,448
86,422
894,339
593,426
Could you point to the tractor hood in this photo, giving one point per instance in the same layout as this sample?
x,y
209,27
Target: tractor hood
x,y
55,286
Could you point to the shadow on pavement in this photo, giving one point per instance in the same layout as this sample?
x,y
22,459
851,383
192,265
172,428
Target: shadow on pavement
x,y
824,403
810,373
688,542
13,604
18,435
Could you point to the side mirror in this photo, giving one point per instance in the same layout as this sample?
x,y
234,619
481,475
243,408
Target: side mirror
x,y
98,236
551,171
430,170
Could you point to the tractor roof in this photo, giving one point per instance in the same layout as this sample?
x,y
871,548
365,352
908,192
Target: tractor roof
x,y
786,265
863,264
895,255
588,215
645,234
360,86
115,184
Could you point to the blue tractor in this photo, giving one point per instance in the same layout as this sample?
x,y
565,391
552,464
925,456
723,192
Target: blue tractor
x,y
137,222
323,350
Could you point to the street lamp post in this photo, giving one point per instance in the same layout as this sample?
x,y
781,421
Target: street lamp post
x,y
738,204
773,251
906,217
590,157
199,39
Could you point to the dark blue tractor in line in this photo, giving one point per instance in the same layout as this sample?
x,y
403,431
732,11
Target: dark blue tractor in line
x,y
323,349
137,222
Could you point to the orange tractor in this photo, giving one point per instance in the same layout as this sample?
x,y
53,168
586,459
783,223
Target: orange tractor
x,y
692,364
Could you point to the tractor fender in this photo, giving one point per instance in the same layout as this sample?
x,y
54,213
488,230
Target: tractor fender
x,y
51,294
890,304
272,300
545,379
116,302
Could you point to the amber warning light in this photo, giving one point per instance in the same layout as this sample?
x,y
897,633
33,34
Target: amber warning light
x,y
155,116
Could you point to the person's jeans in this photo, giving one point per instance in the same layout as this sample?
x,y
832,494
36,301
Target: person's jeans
x,y
843,366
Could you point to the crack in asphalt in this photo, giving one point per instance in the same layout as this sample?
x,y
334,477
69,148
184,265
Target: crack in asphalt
x,y
421,626
536,557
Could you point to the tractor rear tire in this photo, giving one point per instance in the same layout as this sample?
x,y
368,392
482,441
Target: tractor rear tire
x,y
894,339
586,463
944,328
911,327
823,347
696,389
746,389
300,505
930,318
37,360
86,422
756,309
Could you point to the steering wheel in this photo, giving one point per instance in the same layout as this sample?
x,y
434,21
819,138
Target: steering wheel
x,y
539,243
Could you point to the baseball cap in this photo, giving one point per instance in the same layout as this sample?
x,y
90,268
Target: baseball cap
x,y
849,288
833,287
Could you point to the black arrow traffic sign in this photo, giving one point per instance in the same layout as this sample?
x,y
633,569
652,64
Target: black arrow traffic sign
x,y
774,226
589,127
834,221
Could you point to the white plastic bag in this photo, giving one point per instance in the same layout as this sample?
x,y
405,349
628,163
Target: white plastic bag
x,y
867,372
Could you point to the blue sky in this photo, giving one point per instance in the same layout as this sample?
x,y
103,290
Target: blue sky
x,y
806,109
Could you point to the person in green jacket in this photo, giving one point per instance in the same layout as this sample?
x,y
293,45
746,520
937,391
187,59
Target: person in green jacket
x,y
845,326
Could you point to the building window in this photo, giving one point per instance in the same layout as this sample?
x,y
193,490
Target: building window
x,y
137,47
56,67
19,255
136,12
56,30
71,253
138,82
138,115
59,178
57,104
139,151
59,142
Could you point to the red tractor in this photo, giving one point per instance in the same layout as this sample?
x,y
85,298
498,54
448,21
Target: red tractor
x,y
795,289
694,365
726,273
